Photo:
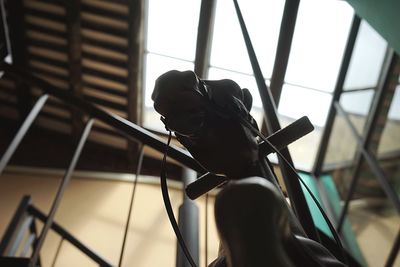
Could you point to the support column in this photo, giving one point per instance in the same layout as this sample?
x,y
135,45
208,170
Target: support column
x,y
188,221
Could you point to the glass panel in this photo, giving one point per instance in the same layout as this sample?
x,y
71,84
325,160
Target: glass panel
x,y
244,81
367,59
318,43
262,19
390,141
357,104
172,27
157,65
297,102
342,145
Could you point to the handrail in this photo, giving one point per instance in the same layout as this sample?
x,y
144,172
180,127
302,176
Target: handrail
x,y
125,127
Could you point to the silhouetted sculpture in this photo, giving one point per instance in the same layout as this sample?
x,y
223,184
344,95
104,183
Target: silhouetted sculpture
x,y
252,217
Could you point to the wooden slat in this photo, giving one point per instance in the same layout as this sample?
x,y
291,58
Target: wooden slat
x,y
44,14
49,7
105,75
104,89
100,94
46,60
104,82
105,103
46,23
47,53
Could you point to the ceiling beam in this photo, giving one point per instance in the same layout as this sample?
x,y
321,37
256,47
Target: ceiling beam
x,y
17,34
74,43
135,68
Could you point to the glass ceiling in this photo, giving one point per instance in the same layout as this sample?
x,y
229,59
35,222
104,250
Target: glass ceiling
x,y
319,40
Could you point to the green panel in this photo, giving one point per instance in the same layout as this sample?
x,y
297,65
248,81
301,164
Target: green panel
x,y
349,236
334,198
383,16
315,213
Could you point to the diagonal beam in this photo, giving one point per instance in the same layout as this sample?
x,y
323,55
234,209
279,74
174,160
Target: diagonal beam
x,y
292,183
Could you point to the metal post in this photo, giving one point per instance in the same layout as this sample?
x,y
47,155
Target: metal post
x,y
204,37
13,225
317,168
188,223
22,131
60,192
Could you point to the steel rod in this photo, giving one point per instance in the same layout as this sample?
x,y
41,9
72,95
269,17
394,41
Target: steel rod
x,y
60,192
22,132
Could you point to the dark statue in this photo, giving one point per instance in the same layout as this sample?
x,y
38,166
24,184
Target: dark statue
x,y
254,222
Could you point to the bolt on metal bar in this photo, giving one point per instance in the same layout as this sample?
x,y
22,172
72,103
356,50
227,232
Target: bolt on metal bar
x,y
372,162
22,131
60,192
292,183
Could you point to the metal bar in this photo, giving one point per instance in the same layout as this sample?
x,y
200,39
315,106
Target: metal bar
x,y
22,131
14,223
204,37
139,162
292,183
394,251
27,245
70,238
57,252
283,48
372,162
389,66
60,192
323,146
34,231
12,251
188,221
127,128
